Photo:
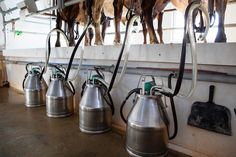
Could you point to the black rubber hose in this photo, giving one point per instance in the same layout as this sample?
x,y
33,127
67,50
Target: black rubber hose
x,y
57,67
26,67
72,87
180,74
120,56
41,74
181,66
23,83
183,55
75,49
173,109
26,75
98,71
83,87
109,101
136,90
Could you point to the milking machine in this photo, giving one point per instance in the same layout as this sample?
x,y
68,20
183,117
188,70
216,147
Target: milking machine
x,y
147,125
59,96
34,85
96,106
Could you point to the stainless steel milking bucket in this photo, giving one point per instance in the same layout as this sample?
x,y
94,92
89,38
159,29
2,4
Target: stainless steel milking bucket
x,y
34,86
146,132
95,114
59,97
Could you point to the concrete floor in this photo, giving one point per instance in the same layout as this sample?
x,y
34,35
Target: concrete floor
x,y
28,132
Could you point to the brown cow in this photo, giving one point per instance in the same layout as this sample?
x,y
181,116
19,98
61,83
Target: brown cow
x,y
78,13
69,15
146,8
218,5
157,13
122,10
102,19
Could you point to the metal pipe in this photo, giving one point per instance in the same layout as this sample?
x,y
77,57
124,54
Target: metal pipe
x,y
69,3
60,4
16,19
4,29
42,17
10,10
72,2
207,76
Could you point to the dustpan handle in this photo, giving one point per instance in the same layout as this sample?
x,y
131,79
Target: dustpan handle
x,y
211,93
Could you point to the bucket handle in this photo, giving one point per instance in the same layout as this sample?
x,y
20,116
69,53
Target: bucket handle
x,y
136,90
71,87
27,72
32,64
23,83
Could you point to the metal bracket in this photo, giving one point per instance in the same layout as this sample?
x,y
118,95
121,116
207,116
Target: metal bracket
x,y
60,4
31,6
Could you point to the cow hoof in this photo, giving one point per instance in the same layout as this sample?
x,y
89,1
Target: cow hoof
x,y
116,42
154,42
58,44
220,40
72,44
220,37
98,43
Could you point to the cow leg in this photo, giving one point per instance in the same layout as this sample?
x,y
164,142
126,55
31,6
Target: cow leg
x,y
96,19
147,12
90,35
98,37
118,6
58,25
159,29
71,33
220,9
87,42
144,33
105,24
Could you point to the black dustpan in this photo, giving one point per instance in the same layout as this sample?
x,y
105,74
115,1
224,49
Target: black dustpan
x,y
210,116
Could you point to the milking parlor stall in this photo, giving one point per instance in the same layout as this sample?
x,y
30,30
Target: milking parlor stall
x,y
117,78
